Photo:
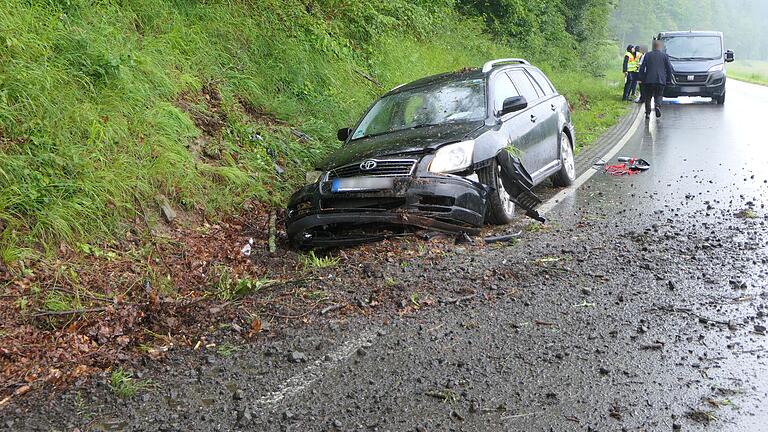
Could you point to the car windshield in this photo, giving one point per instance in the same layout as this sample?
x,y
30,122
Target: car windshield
x,y
693,47
449,102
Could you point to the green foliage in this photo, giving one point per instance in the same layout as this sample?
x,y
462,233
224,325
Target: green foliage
x,y
227,287
227,349
749,70
313,261
105,104
741,21
123,384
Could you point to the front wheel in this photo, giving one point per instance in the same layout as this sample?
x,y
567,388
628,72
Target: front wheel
x,y
567,174
720,99
500,209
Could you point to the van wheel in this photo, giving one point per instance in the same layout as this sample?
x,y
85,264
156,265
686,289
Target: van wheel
x,y
720,99
500,209
567,174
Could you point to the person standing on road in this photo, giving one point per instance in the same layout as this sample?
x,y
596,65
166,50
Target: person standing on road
x,y
656,72
641,50
630,72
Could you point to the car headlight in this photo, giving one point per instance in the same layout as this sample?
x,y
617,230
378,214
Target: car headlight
x,y
716,68
453,157
313,176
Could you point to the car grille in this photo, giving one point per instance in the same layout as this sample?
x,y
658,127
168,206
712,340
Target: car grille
x,y
385,167
697,79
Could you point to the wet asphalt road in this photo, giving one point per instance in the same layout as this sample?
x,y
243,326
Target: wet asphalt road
x,y
641,307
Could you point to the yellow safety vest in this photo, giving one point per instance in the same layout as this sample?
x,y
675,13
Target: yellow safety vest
x,y
633,64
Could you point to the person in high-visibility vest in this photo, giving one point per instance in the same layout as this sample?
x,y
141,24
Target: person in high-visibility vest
x,y
639,56
631,65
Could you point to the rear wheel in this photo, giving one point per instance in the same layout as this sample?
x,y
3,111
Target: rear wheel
x,y
567,173
720,99
500,209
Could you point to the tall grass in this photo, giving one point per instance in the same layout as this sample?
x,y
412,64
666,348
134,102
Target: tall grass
x,y
91,123
754,71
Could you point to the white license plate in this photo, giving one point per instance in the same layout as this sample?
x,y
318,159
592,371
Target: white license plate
x,y
690,89
357,184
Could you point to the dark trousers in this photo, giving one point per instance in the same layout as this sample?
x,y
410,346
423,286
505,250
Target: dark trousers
x,y
630,85
655,92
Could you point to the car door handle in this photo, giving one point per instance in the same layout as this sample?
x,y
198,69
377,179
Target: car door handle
x,y
553,107
533,118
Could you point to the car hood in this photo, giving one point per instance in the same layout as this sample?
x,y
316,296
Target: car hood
x,y
694,66
409,141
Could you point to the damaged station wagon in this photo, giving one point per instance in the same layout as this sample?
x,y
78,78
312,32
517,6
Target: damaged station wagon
x,y
444,153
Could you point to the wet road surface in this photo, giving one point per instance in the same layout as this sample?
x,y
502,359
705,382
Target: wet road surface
x,y
642,307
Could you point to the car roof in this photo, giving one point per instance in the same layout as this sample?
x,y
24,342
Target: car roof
x,y
691,33
464,74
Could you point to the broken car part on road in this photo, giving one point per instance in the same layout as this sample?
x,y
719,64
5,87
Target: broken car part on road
x,y
445,153
627,166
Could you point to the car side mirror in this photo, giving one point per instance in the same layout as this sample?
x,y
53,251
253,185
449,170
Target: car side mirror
x,y
730,56
343,134
513,104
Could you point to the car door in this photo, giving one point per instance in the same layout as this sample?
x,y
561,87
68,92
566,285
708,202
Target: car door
x,y
534,159
549,123
516,129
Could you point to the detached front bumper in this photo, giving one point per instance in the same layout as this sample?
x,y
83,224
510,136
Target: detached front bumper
x,y
319,217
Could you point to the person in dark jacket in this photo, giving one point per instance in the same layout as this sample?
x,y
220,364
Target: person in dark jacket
x,y
655,73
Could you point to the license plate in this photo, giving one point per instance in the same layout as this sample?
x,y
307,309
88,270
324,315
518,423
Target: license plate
x,y
690,89
357,184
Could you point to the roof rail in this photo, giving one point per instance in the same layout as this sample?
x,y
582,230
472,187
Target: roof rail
x,y
493,63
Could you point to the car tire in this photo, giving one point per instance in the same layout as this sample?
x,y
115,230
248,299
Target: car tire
x,y
500,209
720,99
567,174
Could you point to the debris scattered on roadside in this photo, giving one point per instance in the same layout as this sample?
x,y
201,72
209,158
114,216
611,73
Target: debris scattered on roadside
x,y
247,248
747,213
701,416
297,357
503,238
446,395
463,238
331,308
627,166
165,208
544,323
652,346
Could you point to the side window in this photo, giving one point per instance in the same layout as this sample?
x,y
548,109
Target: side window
x,y
543,82
524,85
503,90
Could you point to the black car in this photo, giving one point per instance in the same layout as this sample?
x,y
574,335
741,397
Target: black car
x,y
448,153
698,59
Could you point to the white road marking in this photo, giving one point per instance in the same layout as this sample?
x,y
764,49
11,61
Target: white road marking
x,y
570,190
318,368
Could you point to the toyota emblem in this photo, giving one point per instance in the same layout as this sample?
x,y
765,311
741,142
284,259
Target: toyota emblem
x,y
368,165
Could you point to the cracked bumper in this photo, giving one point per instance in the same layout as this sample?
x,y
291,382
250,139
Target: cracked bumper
x,y
319,217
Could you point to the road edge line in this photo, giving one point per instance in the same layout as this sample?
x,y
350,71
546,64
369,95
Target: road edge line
x,y
551,203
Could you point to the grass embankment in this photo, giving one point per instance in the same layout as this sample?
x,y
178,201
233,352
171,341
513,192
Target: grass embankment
x,y
753,71
218,107
105,105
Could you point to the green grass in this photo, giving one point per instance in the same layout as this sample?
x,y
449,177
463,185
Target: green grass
x,y
123,384
320,262
103,105
754,71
